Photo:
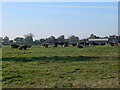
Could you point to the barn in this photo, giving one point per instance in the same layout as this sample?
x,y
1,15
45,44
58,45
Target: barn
x,y
114,41
98,41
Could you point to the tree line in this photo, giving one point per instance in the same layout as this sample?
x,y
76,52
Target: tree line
x,y
28,39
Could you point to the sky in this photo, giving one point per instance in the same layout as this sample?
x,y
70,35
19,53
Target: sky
x,y
45,19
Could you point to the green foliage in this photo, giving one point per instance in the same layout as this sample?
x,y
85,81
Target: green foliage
x,y
39,67
73,39
61,38
50,40
6,39
29,38
19,39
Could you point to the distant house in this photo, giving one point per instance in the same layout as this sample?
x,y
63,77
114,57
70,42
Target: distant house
x,y
98,41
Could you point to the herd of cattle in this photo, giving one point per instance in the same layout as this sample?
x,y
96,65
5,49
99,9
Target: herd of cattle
x,y
79,45
63,45
24,47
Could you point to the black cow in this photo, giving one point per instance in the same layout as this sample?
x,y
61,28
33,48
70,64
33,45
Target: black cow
x,y
86,43
55,44
29,46
103,44
112,44
79,46
24,47
65,45
81,43
45,45
14,46
94,43
74,44
61,43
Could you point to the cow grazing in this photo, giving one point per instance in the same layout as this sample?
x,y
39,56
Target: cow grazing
x,y
74,44
45,45
29,46
23,47
65,45
61,43
55,44
14,46
79,46
112,44
86,43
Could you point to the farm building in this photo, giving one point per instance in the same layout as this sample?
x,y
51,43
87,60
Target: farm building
x,y
98,41
115,41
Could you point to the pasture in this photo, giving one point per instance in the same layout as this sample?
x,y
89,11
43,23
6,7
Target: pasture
x,y
60,67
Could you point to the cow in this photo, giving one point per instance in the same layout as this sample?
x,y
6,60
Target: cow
x,y
103,44
118,43
86,43
45,45
95,43
74,44
79,46
81,43
61,43
112,44
29,46
65,45
55,44
14,46
25,47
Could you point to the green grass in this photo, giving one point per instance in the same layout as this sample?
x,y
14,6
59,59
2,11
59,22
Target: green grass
x,y
61,67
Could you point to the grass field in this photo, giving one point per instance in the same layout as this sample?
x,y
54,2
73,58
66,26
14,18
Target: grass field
x,y
61,67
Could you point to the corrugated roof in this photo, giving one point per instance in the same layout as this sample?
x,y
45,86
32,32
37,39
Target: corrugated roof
x,y
98,40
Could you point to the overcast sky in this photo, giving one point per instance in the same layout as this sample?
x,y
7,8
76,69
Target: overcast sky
x,y
59,18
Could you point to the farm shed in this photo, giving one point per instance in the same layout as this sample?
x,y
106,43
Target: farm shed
x,y
113,40
98,41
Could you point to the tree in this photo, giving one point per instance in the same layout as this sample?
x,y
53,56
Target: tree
x,y
50,40
19,39
29,38
92,36
112,36
6,39
73,39
61,38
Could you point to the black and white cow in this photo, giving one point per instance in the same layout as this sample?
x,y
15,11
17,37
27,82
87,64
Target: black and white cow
x,y
14,46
